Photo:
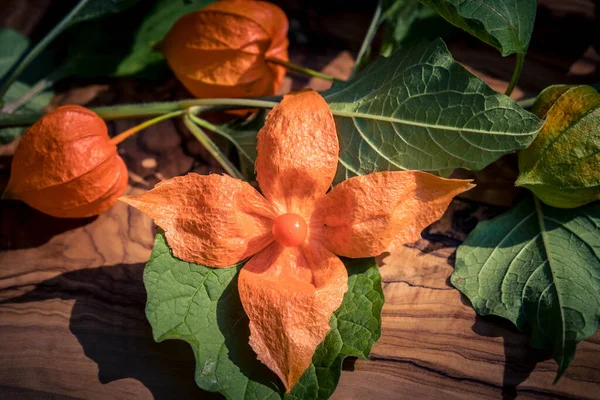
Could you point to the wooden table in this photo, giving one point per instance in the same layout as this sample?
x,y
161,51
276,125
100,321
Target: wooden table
x,y
72,321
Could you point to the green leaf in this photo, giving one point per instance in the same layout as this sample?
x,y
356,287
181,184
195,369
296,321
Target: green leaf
x,y
12,46
421,110
99,50
201,305
562,165
17,90
505,24
153,29
538,267
408,22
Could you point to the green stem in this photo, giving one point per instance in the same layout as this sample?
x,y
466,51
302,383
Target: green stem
x,y
132,131
143,110
366,44
211,147
18,68
516,73
527,103
300,69
43,84
219,130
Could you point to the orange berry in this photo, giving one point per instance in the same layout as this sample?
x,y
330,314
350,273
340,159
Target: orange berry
x,y
290,230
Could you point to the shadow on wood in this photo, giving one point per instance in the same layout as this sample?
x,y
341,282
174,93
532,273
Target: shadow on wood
x,y
109,322
520,358
34,227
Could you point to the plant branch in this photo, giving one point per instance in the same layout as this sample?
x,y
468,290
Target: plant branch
x,y
527,103
366,44
43,84
219,130
18,68
516,73
144,110
300,69
132,131
211,147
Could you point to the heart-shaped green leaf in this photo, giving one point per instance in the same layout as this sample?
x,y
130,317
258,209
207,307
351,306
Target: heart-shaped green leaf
x,y
201,305
538,267
562,165
505,24
421,110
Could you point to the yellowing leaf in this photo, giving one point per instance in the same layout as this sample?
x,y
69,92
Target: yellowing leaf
x,y
562,165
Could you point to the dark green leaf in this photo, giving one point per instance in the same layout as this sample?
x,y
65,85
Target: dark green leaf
x,y
17,90
99,8
153,29
538,267
421,110
98,50
410,25
12,45
201,305
505,24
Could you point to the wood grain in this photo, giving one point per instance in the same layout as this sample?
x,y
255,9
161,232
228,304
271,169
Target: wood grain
x,y
72,323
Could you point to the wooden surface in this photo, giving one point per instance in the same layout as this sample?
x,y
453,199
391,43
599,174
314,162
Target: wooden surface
x,y
72,321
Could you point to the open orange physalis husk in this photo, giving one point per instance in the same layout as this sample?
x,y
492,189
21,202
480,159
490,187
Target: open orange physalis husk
x,y
66,166
295,230
220,50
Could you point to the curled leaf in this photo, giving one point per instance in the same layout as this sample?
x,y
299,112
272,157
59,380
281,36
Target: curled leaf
x,y
562,165
66,166
221,50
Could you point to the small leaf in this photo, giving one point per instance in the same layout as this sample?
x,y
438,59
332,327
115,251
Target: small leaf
x,y
562,165
12,46
201,305
407,22
505,24
419,109
97,50
538,267
15,92
144,53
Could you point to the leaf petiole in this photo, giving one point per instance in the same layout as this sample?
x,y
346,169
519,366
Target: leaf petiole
x,y
132,131
366,44
298,68
219,130
128,111
211,146
43,84
516,73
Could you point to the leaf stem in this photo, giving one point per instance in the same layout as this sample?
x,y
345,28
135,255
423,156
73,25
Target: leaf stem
x,y
298,68
43,84
219,130
366,44
142,110
527,103
18,68
132,131
211,147
516,73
